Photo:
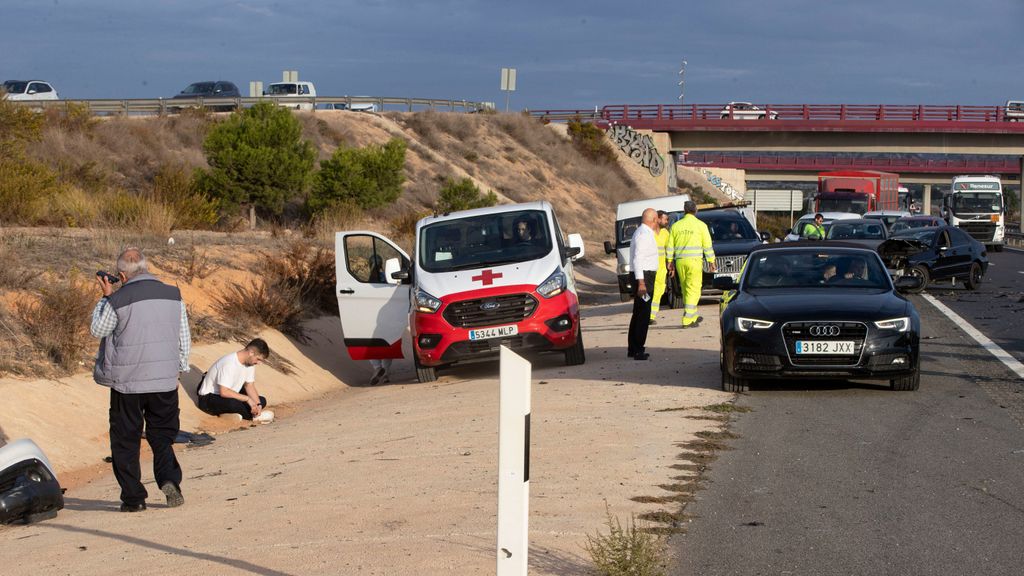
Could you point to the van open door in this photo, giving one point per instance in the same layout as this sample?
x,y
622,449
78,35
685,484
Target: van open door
x,y
373,305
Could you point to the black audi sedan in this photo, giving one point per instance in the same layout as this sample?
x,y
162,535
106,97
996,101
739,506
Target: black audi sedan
x,y
936,253
822,310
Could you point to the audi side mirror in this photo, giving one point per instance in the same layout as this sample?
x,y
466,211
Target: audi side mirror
x,y
724,283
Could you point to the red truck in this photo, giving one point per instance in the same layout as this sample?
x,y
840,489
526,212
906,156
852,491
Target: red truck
x,y
857,191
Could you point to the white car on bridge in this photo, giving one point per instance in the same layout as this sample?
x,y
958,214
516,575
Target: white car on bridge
x,y
746,111
29,90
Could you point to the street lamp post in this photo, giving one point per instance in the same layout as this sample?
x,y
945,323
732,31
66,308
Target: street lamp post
x,y
682,80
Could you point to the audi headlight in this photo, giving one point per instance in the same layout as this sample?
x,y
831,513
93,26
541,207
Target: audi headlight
x,y
748,324
426,303
553,286
897,324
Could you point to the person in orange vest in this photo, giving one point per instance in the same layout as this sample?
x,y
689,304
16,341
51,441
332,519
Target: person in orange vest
x,y
690,246
661,277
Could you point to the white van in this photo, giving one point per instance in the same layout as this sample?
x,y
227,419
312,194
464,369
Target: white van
x,y
480,279
627,218
298,95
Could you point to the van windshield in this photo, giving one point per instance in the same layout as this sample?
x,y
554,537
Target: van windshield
x,y
484,240
624,229
281,89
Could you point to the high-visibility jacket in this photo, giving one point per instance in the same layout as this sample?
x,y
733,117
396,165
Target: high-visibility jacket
x,y
661,239
814,231
690,238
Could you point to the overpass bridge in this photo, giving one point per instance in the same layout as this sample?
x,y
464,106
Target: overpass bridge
x,y
925,144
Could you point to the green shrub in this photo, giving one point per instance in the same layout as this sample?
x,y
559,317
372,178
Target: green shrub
x,y
27,189
258,159
190,208
18,125
591,142
368,177
462,195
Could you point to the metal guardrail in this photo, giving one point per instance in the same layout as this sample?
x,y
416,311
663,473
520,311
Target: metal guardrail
x,y
1014,235
791,162
161,106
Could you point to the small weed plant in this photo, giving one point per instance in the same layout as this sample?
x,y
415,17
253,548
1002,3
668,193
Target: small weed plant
x,y
628,550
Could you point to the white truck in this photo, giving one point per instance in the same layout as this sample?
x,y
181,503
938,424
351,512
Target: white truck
x,y
627,218
297,95
479,279
975,205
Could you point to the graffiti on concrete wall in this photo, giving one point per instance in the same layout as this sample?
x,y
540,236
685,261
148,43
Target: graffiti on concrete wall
x,y
640,148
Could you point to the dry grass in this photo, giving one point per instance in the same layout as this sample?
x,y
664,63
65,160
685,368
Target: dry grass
x,y
632,550
56,320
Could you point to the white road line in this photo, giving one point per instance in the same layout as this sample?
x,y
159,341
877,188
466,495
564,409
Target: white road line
x,y
1011,362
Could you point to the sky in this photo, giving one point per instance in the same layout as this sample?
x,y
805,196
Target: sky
x,y
568,54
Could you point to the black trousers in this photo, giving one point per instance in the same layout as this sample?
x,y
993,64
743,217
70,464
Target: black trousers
x,y
128,412
640,321
216,404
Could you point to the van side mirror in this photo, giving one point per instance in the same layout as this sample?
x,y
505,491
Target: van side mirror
x,y
575,250
609,248
724,283
400,275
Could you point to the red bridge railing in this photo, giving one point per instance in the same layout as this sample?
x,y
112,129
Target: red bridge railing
x,y
822,163
777,112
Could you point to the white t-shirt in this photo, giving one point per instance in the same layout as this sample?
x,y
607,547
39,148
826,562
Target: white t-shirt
x,y
229,373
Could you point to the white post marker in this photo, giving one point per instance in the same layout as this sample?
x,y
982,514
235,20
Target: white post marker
x,y
513,464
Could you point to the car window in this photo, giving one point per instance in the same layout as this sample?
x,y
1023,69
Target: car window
x,y
40,87
726,229
942,239
815,269
959,237
15,87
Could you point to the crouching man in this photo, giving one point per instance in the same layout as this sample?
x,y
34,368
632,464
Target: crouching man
x,y
229,386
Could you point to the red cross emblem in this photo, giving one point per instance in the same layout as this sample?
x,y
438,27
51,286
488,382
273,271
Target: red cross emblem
x,y
486,277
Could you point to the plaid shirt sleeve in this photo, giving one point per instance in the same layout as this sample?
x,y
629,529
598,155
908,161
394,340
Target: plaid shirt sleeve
x,y
104,319
184,341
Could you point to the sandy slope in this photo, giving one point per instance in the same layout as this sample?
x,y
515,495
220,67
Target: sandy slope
x,y
399,479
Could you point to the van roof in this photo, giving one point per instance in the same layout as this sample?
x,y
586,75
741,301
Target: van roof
x,y
542,205
634,208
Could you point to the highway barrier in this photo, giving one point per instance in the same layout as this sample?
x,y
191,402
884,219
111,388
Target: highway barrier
x,y
162,106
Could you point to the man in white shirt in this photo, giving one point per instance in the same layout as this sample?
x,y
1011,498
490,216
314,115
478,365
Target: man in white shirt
x,y
229,386
643,248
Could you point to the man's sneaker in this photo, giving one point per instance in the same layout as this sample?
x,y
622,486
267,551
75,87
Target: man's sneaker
x,y
233,416
133,507
652,322
264,417
174,497
379,375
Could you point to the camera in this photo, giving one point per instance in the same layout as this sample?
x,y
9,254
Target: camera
x,y
110,277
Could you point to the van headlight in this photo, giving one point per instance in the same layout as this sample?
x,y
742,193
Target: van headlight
x,y
553,286
897,324
748,324
426,303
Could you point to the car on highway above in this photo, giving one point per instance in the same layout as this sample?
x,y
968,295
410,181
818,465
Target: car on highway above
x,y
210,89
798,230
888,217
1014,110
911,222
29,90
355,107
936,253
283,92
746,111
818,310
863,232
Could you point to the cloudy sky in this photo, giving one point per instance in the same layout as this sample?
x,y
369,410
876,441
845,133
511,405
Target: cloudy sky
x,y
568,53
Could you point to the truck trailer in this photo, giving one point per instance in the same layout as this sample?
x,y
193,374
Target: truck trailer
x,y
857,191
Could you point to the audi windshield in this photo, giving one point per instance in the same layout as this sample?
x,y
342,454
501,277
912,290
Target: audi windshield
x,y
484,240
816,268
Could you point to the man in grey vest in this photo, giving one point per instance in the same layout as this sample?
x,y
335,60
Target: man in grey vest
x,y
144,344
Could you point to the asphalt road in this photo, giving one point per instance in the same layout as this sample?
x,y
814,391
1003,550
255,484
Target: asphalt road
x,y
852,478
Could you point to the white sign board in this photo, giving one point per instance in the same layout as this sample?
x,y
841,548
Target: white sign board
x,y
508,79
513,464
775,200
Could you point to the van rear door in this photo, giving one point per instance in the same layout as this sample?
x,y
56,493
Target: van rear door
x,y
374,307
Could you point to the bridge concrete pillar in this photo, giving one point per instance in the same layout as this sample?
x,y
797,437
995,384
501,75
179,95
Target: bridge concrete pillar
x,y
926,202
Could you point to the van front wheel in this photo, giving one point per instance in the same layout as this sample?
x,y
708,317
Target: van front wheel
x,y
424,373
575,356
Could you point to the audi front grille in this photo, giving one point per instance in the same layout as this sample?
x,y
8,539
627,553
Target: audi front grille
x,y
825,332
490,311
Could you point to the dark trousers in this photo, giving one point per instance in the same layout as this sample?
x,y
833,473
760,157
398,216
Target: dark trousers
x,y
640,321
159,411
216,404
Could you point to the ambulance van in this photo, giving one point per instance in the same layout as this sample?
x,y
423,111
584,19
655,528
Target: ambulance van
x,y
478,279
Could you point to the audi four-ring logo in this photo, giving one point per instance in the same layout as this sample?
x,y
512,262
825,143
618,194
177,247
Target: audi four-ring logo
x,y
826,330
